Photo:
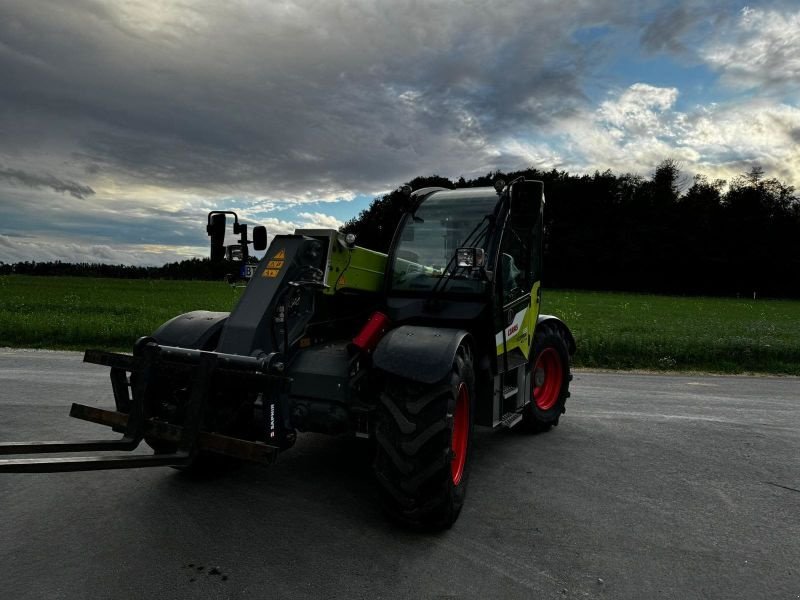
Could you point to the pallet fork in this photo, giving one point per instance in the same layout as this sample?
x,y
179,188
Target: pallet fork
x,y
133,419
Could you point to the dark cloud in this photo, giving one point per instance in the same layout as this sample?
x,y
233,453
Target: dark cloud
x,y
290,97
682,29
665,31
20,249
24,212
18,177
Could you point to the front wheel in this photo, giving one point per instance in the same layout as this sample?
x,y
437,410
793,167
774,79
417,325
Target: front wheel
x,y
549,379
424,439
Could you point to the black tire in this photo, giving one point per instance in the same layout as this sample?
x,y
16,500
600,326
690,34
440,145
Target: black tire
x,y
422,478
549,379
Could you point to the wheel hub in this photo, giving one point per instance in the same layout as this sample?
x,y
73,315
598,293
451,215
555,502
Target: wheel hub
x,y
538,378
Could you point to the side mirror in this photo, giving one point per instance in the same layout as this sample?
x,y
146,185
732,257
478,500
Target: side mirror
x,y
216,229
470,257
259,238
527,198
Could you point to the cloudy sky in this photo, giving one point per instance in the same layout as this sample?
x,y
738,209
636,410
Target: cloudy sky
x,y
123,122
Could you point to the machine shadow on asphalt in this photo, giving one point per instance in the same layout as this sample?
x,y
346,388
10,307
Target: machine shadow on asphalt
x,y
330,477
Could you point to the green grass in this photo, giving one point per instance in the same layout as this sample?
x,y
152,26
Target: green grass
x,y
637,331
616,331
73,313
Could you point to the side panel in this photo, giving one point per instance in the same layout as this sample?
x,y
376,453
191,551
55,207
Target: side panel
x,y
348,268
321,372
518,335
423,354
355,269
320,389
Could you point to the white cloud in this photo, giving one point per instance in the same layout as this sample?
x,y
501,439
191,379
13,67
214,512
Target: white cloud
x,y
639,127
640,109
319,221
760,48
512,153
758,131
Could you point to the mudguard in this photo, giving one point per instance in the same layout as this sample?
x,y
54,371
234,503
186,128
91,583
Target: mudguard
x,y
423,354
198,330
562,326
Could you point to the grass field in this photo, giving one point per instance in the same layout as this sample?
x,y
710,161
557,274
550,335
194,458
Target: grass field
x,y
727,335
617,331
73,313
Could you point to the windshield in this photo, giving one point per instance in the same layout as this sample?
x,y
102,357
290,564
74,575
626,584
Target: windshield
x,y
429,240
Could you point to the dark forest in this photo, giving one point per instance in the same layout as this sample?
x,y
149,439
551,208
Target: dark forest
x,y
666,234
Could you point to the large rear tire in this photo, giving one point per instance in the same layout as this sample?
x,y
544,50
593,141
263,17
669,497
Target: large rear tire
x,y
424,439
549,380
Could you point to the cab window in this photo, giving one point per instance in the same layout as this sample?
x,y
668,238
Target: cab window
x,y
515,259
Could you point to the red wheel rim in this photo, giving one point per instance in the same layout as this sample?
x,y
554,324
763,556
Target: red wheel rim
x,y
458,443
547,379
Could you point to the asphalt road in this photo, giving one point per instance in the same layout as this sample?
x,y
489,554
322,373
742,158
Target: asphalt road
x,y
652,487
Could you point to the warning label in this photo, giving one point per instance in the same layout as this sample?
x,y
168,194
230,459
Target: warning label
x,y
275,264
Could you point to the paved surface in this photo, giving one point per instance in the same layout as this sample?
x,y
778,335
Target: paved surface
x,y
652,487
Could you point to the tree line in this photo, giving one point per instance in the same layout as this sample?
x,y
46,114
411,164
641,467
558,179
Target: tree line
x,y
667,233
193,268
664,234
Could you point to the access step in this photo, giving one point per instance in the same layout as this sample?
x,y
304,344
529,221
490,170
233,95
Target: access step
x,y
510,419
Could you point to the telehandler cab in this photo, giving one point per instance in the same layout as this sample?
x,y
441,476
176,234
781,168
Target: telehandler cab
x,y
411,349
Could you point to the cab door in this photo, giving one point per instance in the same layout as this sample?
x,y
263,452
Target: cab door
x,y
517,296
520,266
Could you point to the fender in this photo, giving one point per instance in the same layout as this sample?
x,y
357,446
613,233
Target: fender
x,y
198,330
423,354
562,326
